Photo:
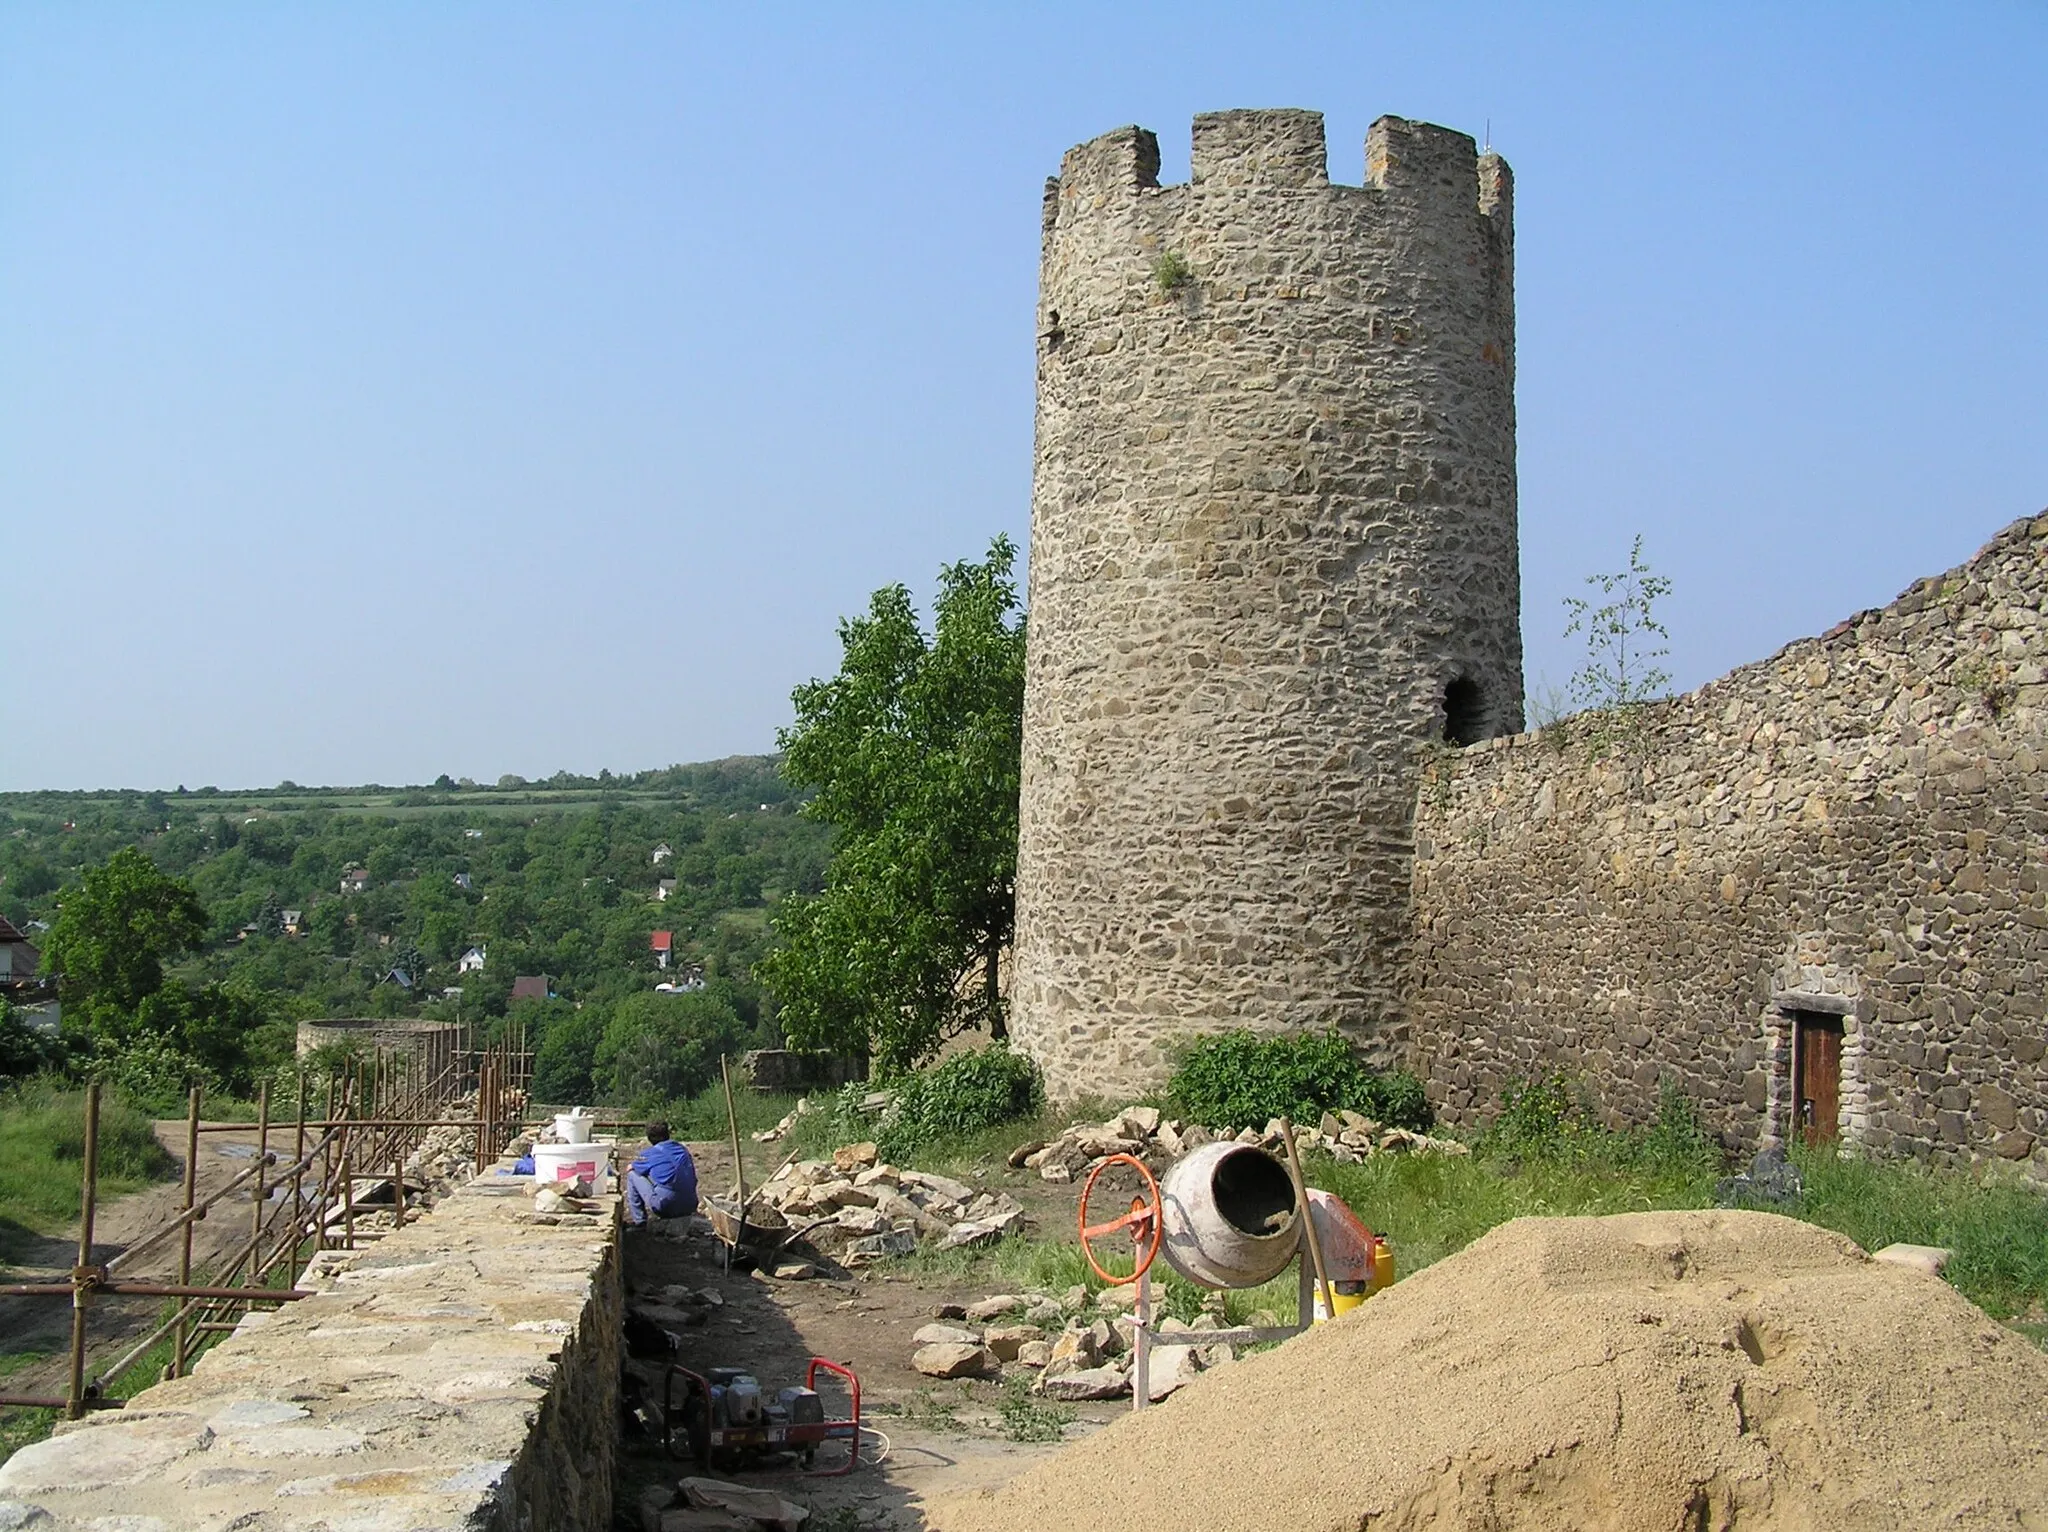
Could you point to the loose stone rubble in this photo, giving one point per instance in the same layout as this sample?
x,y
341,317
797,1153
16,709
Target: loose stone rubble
x,y
1079,1345
871,1210
1142,1132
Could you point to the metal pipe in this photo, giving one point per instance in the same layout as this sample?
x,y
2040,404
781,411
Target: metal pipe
x,y
82,1273
262,1159
45,1402
178,1349
298,1183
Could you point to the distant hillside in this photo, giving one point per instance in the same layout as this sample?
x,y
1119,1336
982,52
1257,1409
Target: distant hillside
x,y
554,878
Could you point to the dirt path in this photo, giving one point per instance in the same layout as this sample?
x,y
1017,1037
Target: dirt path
x,y
942,1436
41,1327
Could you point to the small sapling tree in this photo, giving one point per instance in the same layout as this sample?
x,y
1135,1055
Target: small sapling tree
x,y
1623,639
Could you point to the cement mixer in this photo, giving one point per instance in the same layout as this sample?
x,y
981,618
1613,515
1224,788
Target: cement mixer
x,y
1229,1216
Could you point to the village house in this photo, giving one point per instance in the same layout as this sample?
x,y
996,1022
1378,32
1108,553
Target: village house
x,y
531,987
354,880
471,961
662,853
19,960
664,887
663,943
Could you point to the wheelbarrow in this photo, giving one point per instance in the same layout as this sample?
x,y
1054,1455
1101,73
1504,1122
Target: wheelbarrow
x,y
759,1231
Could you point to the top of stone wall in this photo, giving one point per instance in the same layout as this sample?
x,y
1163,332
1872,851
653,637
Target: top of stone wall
x,y
1282,150
400,1396
2019,550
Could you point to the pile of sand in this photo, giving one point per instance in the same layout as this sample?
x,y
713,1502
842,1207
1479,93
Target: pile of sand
x,y
1667,1371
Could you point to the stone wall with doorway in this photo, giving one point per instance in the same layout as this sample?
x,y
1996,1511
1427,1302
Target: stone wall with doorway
x,y
1854,832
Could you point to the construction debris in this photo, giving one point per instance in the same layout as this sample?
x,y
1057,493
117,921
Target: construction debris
x,y
876,1211
1142,1132
1078,1344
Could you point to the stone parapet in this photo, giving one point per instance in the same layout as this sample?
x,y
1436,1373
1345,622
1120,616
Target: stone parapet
x,y
463,1373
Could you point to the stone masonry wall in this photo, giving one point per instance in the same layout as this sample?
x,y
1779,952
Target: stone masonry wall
x,y
1272,547
1856,827
461,1374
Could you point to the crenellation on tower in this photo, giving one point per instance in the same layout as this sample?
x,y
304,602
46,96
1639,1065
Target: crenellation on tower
x,y
1273,554
1270,150
1122,160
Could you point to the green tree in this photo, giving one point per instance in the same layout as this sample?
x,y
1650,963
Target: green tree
x,y
561,1068
659,1047
912,752
116,931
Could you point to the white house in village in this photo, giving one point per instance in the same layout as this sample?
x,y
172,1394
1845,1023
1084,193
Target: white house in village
x,y
471,961
662,853
663,887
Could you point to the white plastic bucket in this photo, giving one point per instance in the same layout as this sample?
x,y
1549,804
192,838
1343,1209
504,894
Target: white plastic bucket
x,y
566,1162
574,1127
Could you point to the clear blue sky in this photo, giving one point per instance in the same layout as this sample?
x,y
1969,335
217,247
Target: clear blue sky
x,y
392,389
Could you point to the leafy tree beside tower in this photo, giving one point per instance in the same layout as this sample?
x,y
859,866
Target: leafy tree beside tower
x,y
912,753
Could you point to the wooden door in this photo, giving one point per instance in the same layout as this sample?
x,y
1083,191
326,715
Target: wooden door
x,y
1817,1078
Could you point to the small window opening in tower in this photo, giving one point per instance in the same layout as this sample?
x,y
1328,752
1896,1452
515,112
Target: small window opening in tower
x,y
1464,712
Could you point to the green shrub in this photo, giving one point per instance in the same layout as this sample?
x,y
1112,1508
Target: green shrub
x,y
1243,1079
1550,1119
1677,1141
960,1095
26,1050
154,1072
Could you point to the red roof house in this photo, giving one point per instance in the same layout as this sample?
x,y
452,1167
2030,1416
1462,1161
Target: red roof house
x,y
663,943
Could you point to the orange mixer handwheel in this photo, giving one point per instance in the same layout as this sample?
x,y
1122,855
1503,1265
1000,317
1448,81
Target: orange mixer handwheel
x,y
1142,1222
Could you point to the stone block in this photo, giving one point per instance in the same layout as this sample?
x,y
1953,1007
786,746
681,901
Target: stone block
x,y
945,1334
1084,1383
951,1359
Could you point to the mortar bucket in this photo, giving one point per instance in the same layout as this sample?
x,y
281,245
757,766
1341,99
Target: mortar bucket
x,y
568,1162
1230,1216
574,1127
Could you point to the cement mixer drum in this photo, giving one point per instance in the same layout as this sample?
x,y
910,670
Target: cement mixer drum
x,y
1230,1216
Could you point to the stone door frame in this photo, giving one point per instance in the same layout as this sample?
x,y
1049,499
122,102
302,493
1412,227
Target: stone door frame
x,y
1781,1019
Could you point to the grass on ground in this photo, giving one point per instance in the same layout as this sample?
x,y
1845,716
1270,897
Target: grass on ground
x,y
42,1153
1547,1161
1432,1206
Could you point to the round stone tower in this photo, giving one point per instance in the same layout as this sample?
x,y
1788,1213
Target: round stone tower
x,y
1273,558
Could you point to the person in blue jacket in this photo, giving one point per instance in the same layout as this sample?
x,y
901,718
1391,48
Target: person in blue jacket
x,y
662,1181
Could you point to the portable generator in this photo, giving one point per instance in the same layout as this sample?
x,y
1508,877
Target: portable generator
x,y
724,1417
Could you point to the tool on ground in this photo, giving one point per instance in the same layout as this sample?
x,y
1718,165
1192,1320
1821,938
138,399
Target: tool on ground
x,y
1230,1216
725,1419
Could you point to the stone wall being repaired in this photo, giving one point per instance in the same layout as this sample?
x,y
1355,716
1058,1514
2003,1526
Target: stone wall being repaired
x,y
1854,829
370,1032
1272,550
461,1374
